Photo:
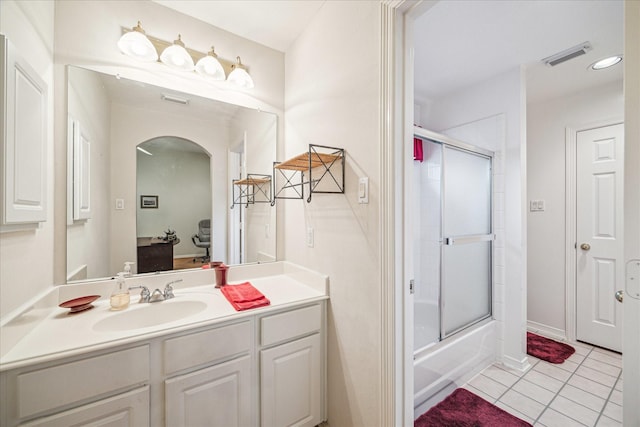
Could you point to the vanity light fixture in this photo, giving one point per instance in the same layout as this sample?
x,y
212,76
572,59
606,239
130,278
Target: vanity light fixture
x,y
209,66
239,76
136,44
176,56
606,62
144,151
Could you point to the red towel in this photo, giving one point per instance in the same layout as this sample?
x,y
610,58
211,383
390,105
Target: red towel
x,y
244,296
417,150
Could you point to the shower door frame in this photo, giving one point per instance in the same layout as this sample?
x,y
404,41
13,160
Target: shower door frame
x,y
481,152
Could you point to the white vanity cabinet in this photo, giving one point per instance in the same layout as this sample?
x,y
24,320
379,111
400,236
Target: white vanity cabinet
x,y
292,368
265,368
218,395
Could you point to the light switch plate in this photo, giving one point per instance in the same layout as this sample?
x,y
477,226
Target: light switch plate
x,y
310,237
363,190
119,204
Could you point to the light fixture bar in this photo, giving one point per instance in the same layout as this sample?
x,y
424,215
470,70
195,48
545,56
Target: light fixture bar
x,y
144,151
161,45
175,99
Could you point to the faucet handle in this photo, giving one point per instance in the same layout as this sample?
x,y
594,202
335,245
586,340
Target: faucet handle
x,y
168,289
145,294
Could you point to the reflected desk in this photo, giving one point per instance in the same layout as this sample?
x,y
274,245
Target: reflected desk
x,y
155,254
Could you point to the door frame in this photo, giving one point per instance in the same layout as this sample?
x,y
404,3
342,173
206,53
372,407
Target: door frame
x,y
571,200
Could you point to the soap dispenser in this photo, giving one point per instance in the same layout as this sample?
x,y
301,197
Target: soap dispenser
x,y
127,268
120,296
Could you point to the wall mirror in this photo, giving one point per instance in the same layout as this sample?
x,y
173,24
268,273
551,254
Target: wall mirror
x,y
146,167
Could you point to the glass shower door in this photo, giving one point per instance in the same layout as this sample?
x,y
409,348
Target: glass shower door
x,y
467,239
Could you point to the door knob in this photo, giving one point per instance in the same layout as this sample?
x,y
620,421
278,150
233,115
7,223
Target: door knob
x,y
619,295
585,246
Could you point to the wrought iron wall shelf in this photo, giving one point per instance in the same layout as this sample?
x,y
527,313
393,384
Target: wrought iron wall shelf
x,y
322,168
255,188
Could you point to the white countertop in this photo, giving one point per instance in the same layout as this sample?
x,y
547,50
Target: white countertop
x,y
46,332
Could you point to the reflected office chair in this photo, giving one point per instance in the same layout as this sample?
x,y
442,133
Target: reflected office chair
x,y
203,238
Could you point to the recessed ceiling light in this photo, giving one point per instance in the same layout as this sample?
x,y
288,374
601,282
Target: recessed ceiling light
x,y
606,62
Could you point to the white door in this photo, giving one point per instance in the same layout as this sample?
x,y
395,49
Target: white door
x,y
600,246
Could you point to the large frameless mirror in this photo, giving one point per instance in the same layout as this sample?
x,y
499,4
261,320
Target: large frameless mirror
x,y
150,174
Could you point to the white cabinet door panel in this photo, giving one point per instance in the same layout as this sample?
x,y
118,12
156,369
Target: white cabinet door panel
x,y
125,410
290,384
24,139
219,396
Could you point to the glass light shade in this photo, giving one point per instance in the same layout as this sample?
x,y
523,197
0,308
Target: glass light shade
x,y
606,62
239,76
209,66
137,45
176,56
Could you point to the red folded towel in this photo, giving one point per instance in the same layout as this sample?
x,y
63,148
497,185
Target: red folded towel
x,y
244,296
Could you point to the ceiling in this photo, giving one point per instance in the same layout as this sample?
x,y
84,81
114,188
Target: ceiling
x,y
461,43
273,23
458,43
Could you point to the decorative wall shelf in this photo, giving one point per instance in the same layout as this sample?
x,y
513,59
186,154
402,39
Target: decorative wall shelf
x,y
255,188
322,168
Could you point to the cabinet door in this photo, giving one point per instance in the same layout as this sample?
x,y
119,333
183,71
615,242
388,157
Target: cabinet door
x,y
23,133
215,396
290,384
124,410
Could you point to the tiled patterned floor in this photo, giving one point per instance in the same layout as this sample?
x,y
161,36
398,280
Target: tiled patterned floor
x,y
585,390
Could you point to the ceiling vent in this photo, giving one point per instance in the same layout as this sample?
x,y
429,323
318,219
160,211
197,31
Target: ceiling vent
x,y
568,54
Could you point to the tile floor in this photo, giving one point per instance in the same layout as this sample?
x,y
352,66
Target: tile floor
x,y
585,390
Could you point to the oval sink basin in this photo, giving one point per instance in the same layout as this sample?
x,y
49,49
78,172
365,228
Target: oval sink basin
x,y
149,314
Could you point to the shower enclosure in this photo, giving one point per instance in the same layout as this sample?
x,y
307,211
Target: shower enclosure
x,y
453,240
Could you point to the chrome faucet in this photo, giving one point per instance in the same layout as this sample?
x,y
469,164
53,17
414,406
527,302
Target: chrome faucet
x,y
157,294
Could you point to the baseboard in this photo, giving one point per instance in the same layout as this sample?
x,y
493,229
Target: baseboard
x,y
547,331
521,365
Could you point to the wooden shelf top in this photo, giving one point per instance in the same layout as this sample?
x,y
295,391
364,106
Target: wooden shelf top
x,y
252,181
301,162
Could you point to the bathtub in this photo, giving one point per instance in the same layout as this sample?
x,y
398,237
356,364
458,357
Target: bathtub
x,y
442,367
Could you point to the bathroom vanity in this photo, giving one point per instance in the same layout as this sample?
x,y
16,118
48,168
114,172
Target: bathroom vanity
x,y
188,361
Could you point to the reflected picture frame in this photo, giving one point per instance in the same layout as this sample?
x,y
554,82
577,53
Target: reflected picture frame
x,y
148,202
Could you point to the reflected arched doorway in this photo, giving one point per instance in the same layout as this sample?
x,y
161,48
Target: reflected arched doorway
x,y
173,188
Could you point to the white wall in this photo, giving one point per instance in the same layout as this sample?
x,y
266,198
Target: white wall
x,y
86,35
495,110
89,105
332,98
26,257
132,126
546,168
259,221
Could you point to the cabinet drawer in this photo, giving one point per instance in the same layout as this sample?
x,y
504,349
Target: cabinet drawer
x,y
50,388
208,346
291,324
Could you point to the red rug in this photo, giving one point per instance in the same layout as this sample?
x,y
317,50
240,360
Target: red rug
x,y
464,409
547,349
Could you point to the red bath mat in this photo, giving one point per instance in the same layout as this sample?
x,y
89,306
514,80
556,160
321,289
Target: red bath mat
x,y
464,409
547,349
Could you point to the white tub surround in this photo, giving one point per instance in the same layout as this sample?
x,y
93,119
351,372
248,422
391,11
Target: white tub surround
x,y
188,360
449,364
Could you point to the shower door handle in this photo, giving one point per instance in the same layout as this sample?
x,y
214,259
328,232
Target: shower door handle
x,y
461,240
